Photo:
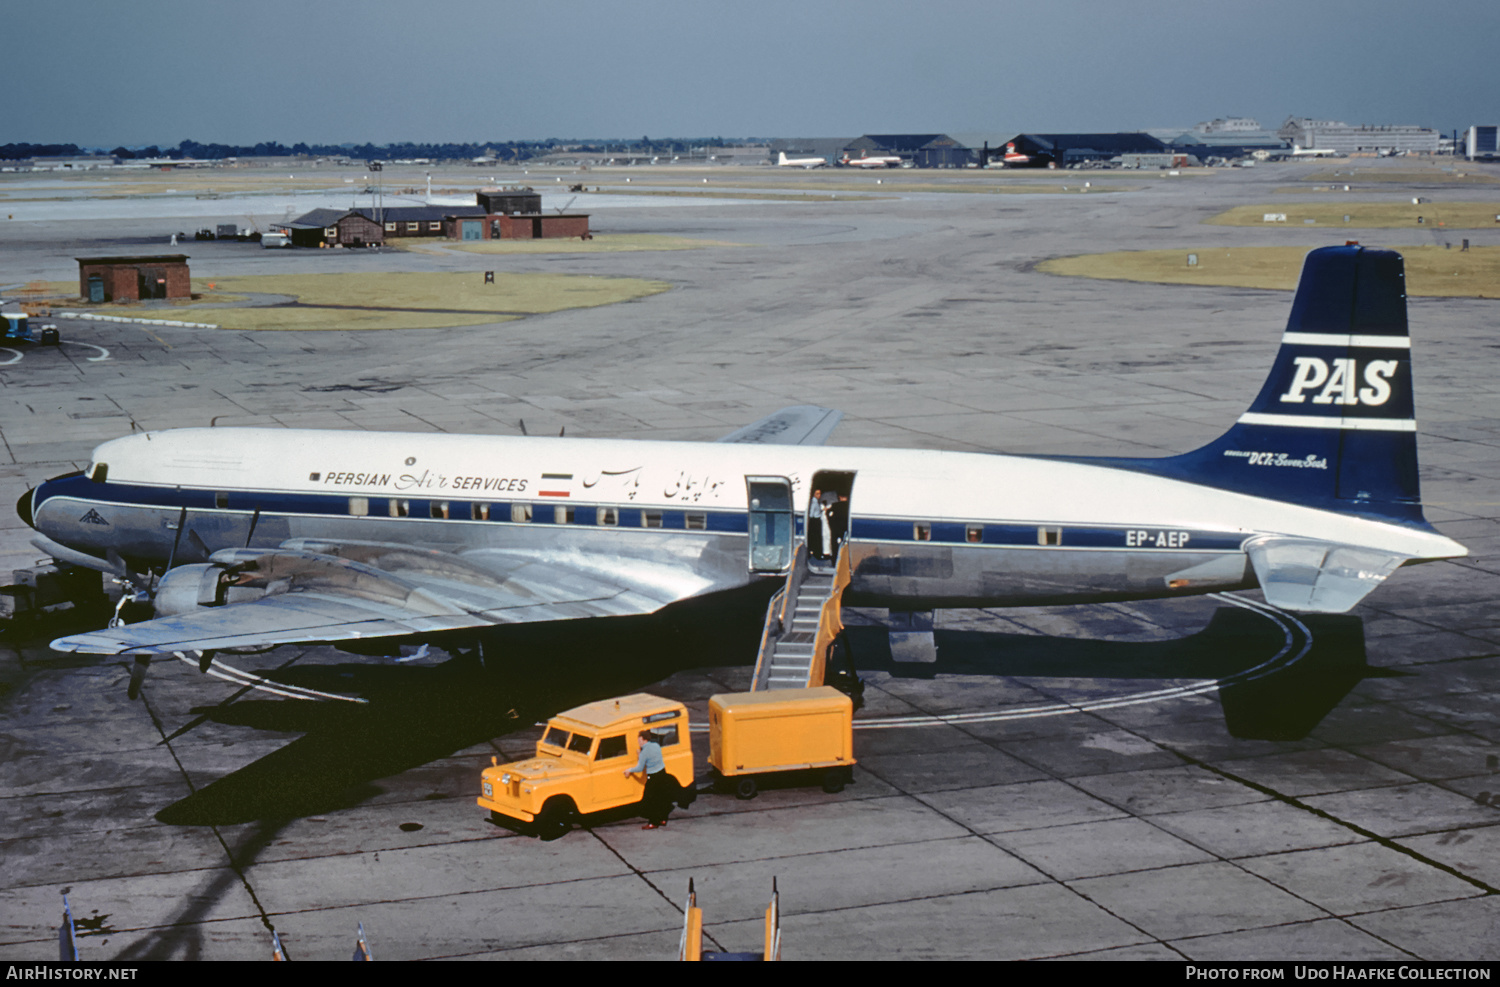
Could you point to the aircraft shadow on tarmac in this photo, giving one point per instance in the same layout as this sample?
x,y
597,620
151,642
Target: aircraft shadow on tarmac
x,y
1263,699
416,715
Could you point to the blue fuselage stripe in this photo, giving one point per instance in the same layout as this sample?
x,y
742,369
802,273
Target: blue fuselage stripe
x,y
863,529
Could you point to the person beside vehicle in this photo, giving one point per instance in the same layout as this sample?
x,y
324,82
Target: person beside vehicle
x,y
656,801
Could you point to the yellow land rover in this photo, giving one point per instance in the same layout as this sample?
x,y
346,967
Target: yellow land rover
x,y
580,764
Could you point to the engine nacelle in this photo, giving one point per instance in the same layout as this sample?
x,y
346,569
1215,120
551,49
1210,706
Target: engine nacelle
x,y
199,586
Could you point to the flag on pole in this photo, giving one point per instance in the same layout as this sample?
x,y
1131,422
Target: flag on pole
x,y
362,948
67,948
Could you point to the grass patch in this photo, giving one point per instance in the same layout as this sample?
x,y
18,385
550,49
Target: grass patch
x,y
1430,271
605,244
1367,215
394,301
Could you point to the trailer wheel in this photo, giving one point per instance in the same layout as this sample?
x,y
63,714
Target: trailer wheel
x,y
834,780
686,795
745,788
555,819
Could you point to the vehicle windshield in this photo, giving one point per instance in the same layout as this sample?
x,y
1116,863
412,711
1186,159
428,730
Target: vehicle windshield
x,y
556,737
580,743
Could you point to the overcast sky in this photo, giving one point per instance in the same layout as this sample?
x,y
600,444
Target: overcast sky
x,y
244,71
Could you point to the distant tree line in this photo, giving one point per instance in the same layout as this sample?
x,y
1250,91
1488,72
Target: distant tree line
x,y
502,150
14,152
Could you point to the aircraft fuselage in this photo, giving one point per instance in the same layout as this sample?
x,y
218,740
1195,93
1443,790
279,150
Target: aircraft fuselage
x,y
926,529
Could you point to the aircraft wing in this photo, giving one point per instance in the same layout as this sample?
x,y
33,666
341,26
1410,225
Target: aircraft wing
x,y
1320,577
799,425
307,591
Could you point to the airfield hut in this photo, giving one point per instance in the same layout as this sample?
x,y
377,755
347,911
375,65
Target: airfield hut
x,y
130,279
536,226
508,201
333,228
414,221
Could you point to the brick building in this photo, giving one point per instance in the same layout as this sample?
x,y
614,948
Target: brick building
x,y
508,201
526,226
130,279
333,227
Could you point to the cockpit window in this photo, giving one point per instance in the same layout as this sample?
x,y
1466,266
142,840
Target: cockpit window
x,y
99,472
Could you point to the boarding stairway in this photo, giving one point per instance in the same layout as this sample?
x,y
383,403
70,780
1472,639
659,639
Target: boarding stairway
x,y
802,622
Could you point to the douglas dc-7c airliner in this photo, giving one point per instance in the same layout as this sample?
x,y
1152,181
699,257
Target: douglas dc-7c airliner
x,y
249,538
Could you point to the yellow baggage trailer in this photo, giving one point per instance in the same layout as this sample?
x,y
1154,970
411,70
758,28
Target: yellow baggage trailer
x,y
758,733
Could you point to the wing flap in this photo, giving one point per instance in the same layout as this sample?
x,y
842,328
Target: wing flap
x,y
1315,576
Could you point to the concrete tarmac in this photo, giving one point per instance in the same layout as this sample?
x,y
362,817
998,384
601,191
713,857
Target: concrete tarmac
x,y
1112,781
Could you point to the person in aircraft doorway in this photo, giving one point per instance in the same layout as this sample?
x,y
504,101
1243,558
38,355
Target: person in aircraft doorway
x,y
836,515
815,525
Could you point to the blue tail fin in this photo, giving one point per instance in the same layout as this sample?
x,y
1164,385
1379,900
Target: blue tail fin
x,y
1333,426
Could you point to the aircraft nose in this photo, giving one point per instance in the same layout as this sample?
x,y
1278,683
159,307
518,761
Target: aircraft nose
x,y
23,508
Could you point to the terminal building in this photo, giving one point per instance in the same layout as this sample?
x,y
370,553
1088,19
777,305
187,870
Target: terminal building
x,y
1331,135
1480,144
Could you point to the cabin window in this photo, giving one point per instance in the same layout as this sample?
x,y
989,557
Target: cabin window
x,y
695,522
611,747
413,227
921,532
479,512
520,512
609,516
221,499
438,509
331,232
666,735
99,472
651,519
400,508
435,226
359,506
974,533
1049,536
580,743
562,515
390,227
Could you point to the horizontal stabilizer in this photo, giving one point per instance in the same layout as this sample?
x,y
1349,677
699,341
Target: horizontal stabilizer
x,y
1315,576
799,425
